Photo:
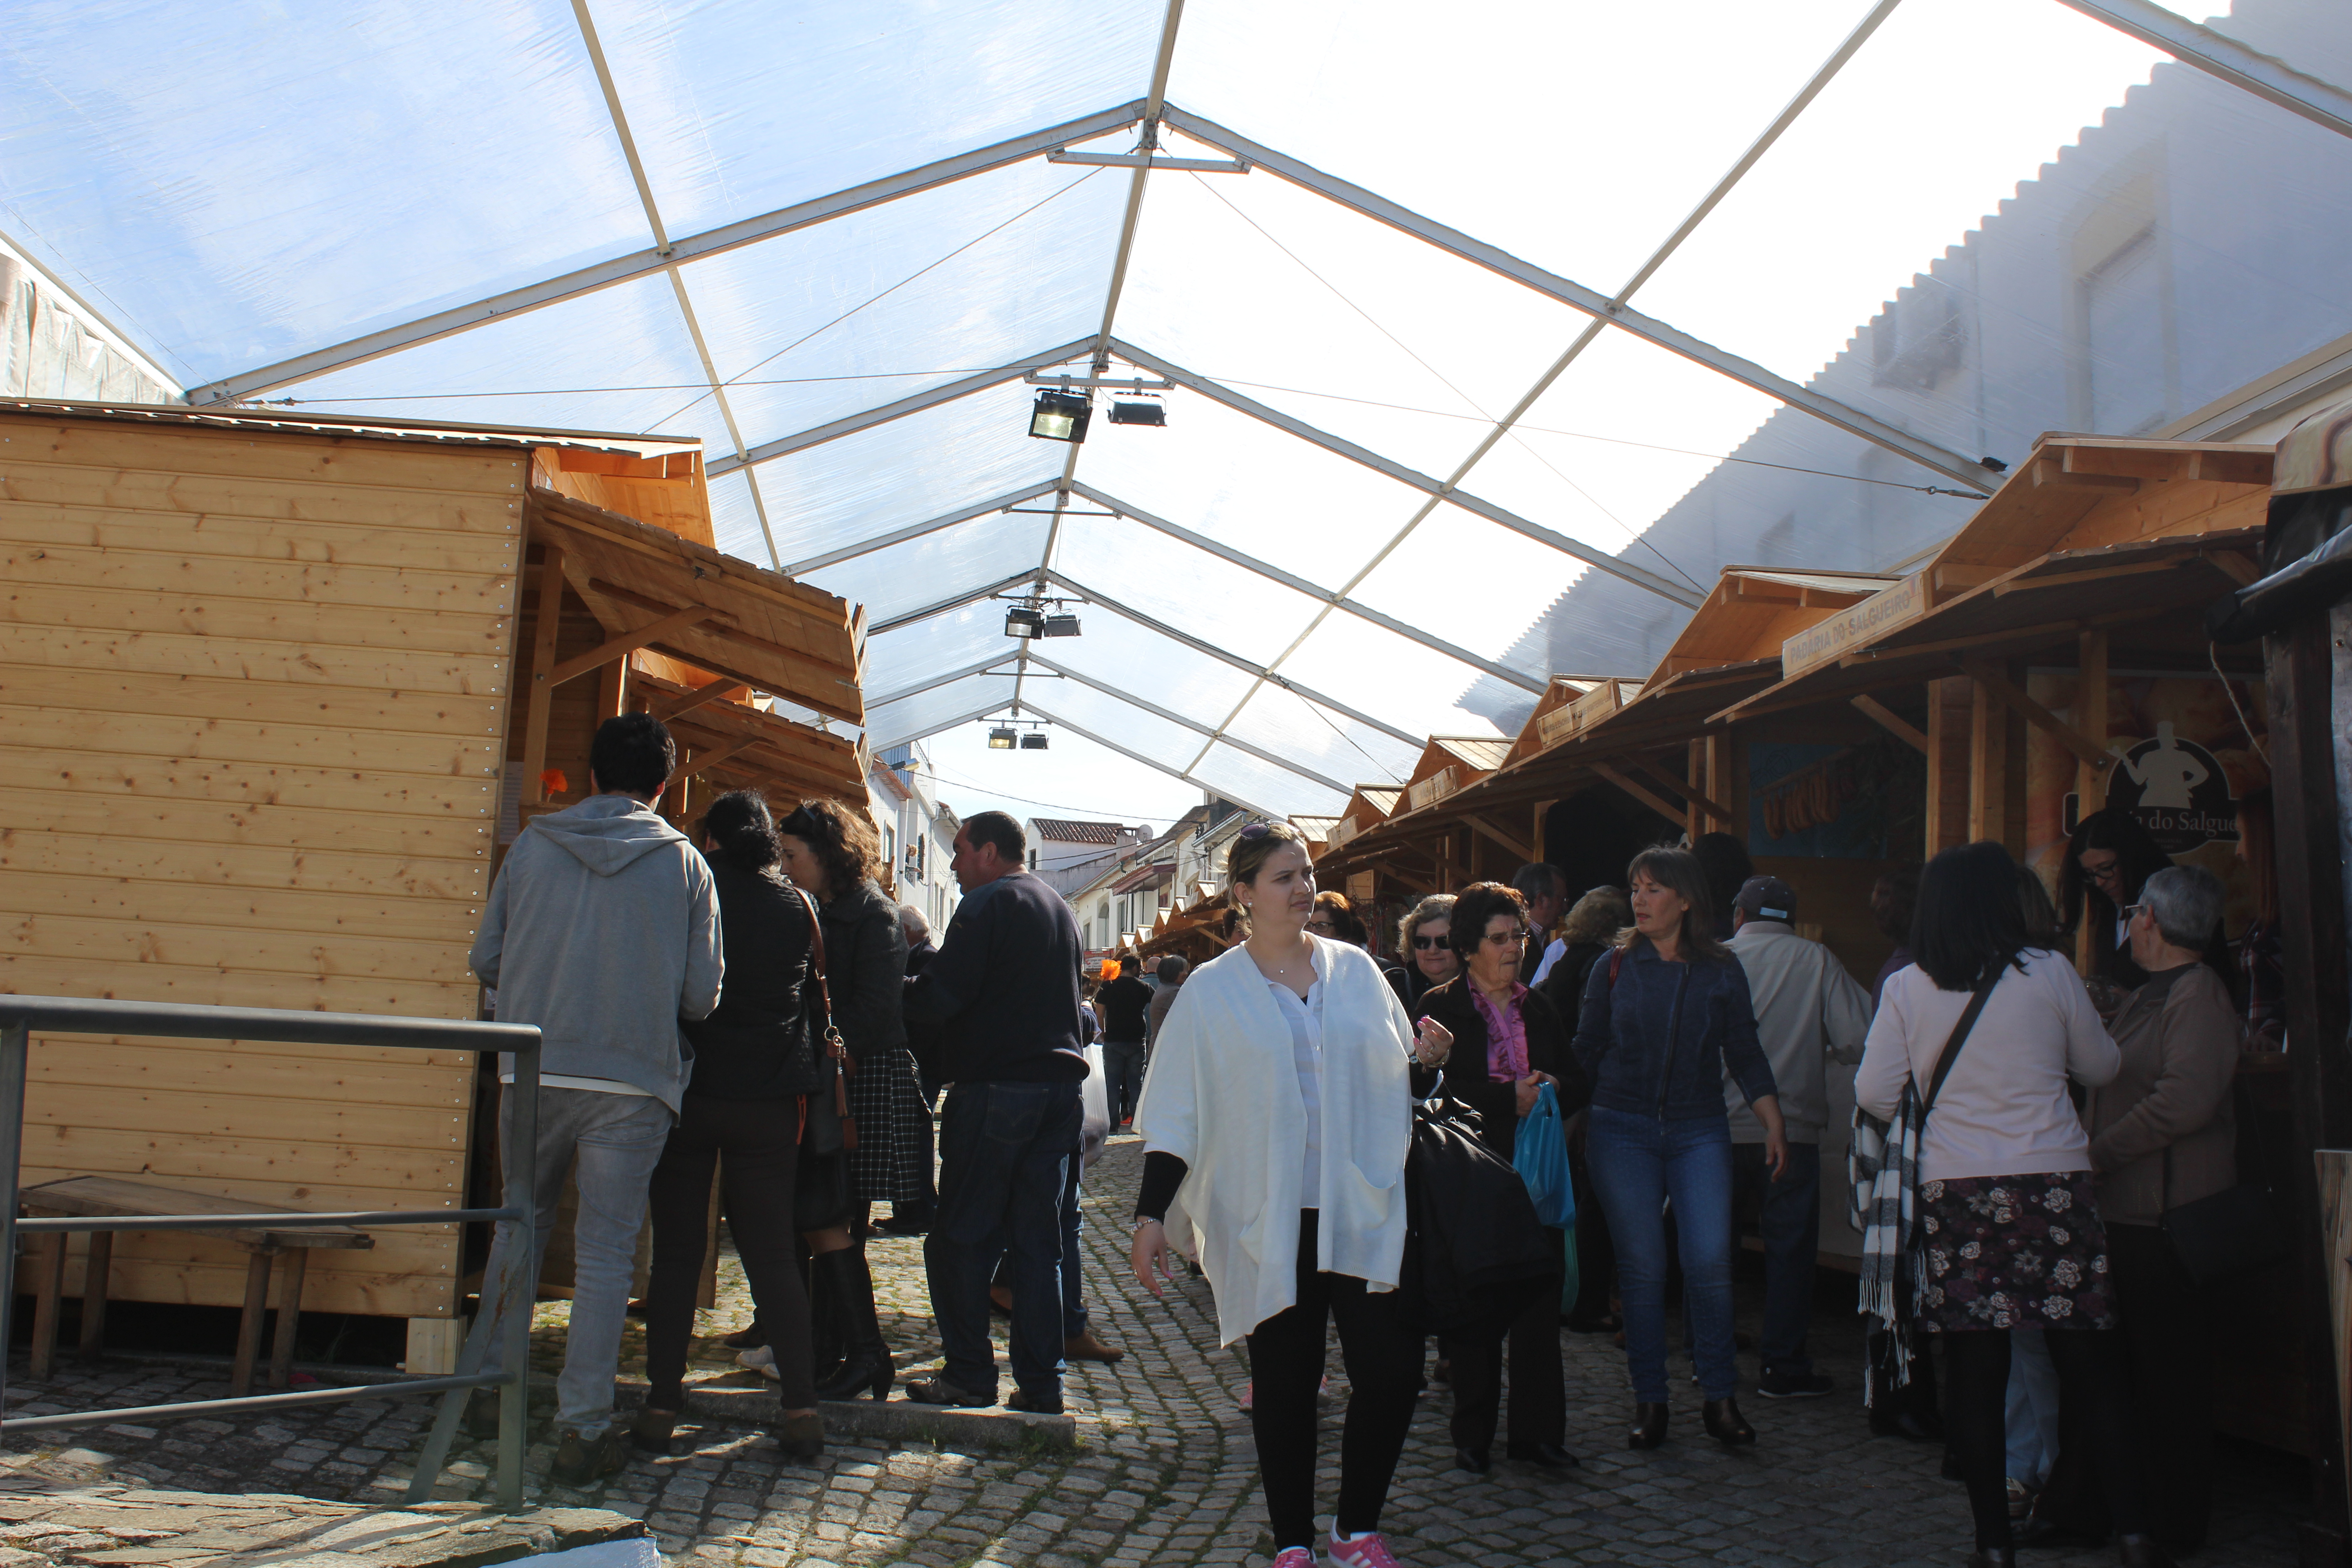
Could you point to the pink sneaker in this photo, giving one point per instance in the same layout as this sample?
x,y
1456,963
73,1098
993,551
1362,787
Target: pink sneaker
x,y
1294,1557
1364,1552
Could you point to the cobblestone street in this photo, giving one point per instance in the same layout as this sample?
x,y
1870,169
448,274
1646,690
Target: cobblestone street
x,y
1164,1472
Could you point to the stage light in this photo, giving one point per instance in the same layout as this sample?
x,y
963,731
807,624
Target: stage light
x,y
999,740
1033,742
1060,626
1061,416
1146,412
1025,621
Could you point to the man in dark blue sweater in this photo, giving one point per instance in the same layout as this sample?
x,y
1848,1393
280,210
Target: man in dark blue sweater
x,y
1003,989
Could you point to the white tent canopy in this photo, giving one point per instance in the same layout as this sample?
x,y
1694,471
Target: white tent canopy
x,y
1376,249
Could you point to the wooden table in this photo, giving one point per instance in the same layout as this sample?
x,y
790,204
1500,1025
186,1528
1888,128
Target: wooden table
x,y
112,1197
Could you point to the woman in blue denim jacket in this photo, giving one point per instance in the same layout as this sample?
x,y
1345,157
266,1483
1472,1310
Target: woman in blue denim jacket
x,y
1664,1016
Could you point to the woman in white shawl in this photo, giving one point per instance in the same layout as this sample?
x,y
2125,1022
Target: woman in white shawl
x,y
1275,1118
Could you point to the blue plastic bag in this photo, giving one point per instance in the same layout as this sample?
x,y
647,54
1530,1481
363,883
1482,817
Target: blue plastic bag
x,y
1539,1154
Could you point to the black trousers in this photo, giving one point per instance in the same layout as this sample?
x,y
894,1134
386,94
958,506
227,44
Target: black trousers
x,y
760,1140
1286,1355
1596,1256
2168,1333
1538,1387
2092,1387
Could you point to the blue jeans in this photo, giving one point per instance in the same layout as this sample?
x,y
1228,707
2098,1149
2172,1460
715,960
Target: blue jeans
x,y
1074,1309
1790,1220
1638,1163
2029,1417
619,1140
1122,1077
1006,1150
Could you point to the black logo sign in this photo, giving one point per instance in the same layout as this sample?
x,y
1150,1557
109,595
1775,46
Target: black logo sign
x,y
2179,791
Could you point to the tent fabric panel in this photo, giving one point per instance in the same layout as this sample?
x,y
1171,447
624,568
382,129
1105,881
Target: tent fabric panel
x,y
1230,770
956,640
735,114
1131,658
913,716
827,322
1292,726
236,205
910,575
1189,589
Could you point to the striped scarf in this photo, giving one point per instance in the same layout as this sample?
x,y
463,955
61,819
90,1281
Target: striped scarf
x,y
1883,1166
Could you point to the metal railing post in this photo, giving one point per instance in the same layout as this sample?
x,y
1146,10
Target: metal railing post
x,y
522,1194
15,1053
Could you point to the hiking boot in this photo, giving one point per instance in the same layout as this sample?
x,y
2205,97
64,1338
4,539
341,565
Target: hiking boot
x,y
583,1461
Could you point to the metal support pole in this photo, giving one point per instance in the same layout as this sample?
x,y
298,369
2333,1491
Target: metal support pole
x,y
16,1049
522,1194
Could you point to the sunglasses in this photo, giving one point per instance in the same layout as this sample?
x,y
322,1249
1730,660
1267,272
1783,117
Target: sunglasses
x,y
1255,830
1425,943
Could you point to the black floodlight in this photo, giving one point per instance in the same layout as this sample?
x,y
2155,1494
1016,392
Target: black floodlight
x,y
1033,742
1001,739
1061,416
1060,626
1025,621
1148,411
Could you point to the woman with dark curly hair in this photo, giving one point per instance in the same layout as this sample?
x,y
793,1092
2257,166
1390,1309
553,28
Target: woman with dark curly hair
x,y
2012,1234
1510,1042
834,856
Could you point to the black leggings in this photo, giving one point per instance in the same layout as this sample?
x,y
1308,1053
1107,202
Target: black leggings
x,y
1286,1356
2092,1378
760,1139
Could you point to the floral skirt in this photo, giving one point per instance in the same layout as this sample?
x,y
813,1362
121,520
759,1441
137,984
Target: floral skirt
x,y
2014,1252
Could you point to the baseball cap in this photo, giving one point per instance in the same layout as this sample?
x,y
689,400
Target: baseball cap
x,y
1768,897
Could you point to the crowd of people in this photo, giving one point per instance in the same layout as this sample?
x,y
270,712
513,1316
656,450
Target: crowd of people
x,y
743,1004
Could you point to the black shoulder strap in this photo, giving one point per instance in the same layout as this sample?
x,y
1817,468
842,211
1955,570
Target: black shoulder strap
x,y
1960,1038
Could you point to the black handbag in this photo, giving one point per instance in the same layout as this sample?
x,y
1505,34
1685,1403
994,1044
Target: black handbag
x,y
1475,1256
2234,1231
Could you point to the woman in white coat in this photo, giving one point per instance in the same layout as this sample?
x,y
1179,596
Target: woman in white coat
x,y
1276,1119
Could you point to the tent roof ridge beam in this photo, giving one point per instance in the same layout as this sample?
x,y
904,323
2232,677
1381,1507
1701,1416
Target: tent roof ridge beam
x,y
1592,302
917,530
1237,661
637,264
2218,55
1641,577
1327,596
915,403
1192,724
1136,756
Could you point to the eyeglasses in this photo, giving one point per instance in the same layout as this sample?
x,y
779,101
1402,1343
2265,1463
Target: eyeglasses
x,y
1507,939
2131,911
1426,943
1322,925
2112,871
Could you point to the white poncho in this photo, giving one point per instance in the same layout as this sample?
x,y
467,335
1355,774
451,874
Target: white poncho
x,y
1223,1096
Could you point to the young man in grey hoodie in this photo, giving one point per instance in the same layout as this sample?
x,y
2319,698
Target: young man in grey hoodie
x,y
601,928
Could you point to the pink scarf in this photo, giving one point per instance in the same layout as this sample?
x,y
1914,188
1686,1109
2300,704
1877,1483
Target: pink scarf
x,y
1507,1034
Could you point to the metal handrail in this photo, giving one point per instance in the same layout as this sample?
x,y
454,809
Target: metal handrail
x,y
507,1308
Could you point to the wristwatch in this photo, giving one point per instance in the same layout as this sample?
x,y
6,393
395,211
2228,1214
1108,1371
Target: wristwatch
x,y
1144,1219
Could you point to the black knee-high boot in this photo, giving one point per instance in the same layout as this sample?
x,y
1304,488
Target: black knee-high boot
x,y
843,1281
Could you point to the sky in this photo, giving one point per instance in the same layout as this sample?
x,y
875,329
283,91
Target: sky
x,y
229,203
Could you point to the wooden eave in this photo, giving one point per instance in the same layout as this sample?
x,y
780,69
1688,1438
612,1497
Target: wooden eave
x,y
799,759
1562,690
767,631
1752,610
2137,591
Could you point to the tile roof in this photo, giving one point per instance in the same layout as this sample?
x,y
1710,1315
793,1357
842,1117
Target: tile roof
x,y
1066,830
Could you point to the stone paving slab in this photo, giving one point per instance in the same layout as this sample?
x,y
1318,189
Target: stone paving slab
x,y
1164,1470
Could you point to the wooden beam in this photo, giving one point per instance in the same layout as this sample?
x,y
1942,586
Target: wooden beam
x,y
708,759
1893,723
1947,764
2090,782
613,691
1511,844
1671,813
1988,757
2236,565
1688,791
2052,471
2045,631
1997,685
545,629
2099,575
719,690
628,643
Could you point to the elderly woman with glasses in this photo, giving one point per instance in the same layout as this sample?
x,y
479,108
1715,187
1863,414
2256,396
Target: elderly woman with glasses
x,y
1426,942
1508,1043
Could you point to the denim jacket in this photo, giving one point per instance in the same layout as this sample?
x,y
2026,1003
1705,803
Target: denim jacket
x,y
1657,1041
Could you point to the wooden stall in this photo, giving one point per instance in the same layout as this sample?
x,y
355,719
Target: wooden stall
x,y
257,677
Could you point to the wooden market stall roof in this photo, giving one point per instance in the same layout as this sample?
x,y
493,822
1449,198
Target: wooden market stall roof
x,y
1752,610
1450,761
655,589
1366,805
1544,725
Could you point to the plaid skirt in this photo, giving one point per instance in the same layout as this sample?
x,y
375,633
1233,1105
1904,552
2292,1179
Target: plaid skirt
x,y
892,1162
2010,1252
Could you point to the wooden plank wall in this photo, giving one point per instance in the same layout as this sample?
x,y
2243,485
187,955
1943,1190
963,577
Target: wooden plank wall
x,y
252,694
